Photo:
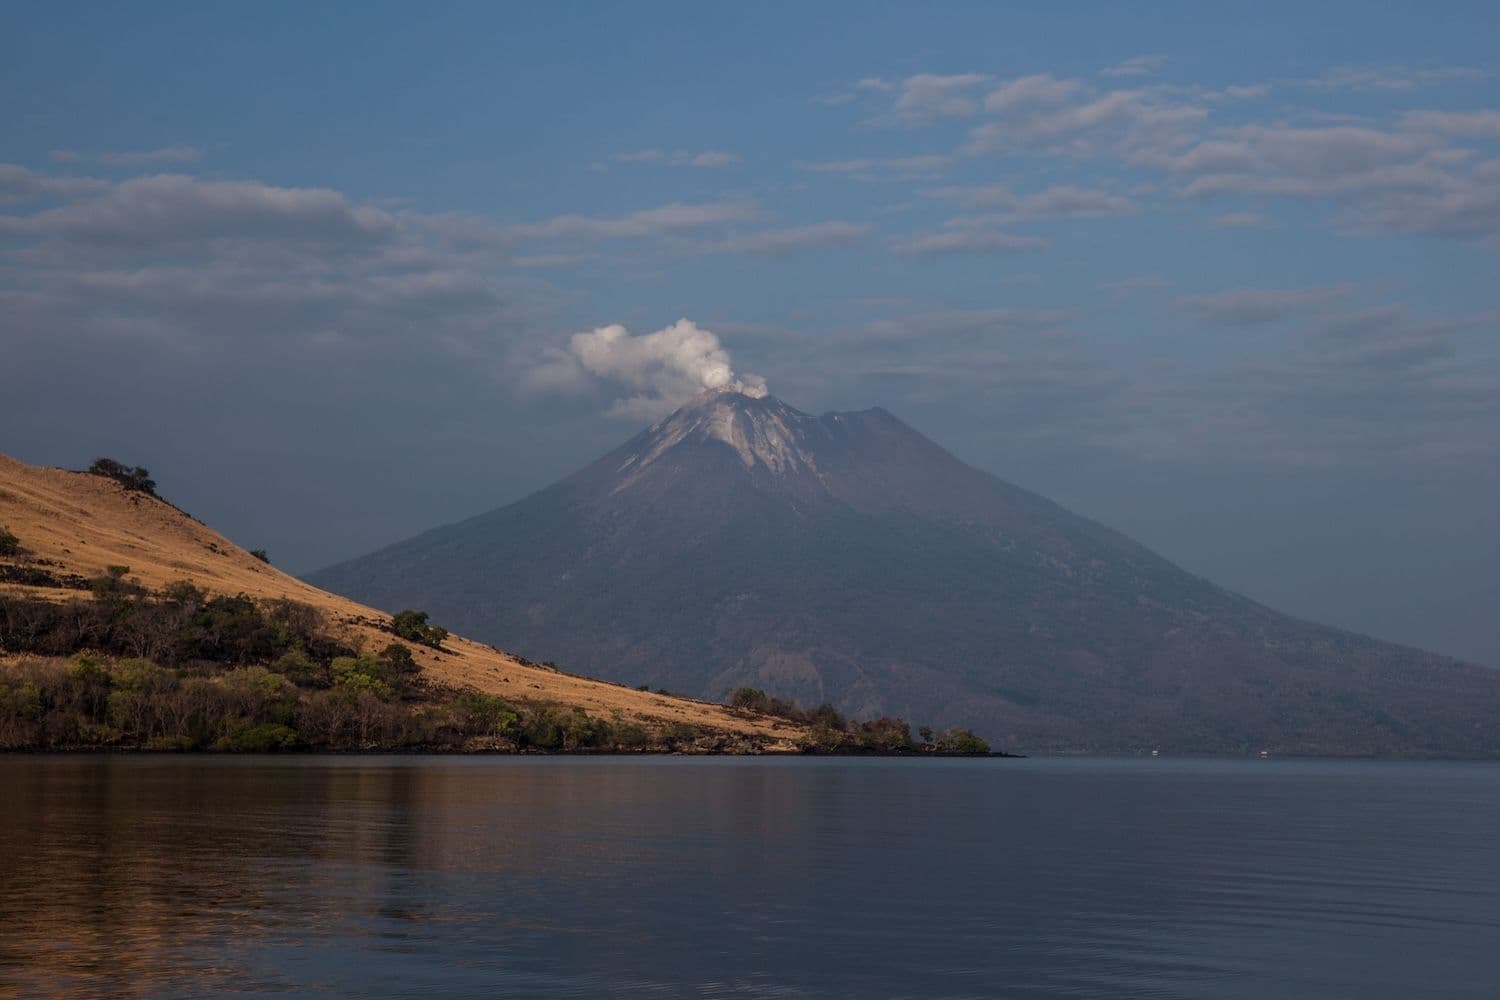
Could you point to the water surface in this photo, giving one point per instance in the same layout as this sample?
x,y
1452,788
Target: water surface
x,y
668,877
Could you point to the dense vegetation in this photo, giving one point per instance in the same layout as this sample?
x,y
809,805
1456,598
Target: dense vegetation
x,y
135,478
183,669
10,545
832,731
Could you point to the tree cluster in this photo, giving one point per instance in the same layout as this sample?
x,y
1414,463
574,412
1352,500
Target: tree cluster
x,y
831,731
135,478
412,626
182,670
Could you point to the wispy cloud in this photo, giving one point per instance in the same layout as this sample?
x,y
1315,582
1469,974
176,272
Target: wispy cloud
x,y
709,158
677,217
1060,201
1136,66
963,240
1260,306
818,235
132,158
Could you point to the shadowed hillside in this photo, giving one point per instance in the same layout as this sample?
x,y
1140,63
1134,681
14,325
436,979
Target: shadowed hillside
x,y
848,558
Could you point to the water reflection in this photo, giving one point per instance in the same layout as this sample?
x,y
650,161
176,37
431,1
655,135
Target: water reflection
x,y
144,876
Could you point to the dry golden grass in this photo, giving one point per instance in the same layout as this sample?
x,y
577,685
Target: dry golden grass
x,y
73,522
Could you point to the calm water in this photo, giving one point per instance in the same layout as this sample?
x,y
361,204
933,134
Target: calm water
x,y
740,877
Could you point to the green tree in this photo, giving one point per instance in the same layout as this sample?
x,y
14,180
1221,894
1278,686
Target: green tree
x,y
412,625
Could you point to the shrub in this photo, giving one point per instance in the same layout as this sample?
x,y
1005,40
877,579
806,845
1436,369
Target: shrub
x,y
267,738
298,668
10,545
412,625
261,555
960,740
486,715
362,673
137,479
749,698
113,586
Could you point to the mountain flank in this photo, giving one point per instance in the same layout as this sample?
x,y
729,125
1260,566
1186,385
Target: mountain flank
x,y
67,529
847,558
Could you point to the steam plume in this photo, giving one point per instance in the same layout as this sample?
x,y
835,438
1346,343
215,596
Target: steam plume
x,y
662,370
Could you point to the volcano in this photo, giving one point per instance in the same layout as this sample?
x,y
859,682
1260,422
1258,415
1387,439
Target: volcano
x,y
846,558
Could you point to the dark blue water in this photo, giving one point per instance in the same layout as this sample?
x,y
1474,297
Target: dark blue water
x,y
555,877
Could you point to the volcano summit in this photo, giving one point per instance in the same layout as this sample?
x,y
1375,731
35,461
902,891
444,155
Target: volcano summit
x,y
847,558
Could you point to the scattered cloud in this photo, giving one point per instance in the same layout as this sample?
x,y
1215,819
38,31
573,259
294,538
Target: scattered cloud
x,y
1060,201
1399,79
1454,124
132,158
18,184
175,211
958,239
1260,306
1046,115
817,236
928,97
678,217
1136,66
709,158
895,168
152,157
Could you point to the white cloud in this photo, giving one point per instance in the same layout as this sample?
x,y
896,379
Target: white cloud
x,y
1046,115
928,97
659,371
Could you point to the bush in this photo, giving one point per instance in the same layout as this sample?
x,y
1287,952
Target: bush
x,y
10,545
362,673
137,479
960,740
261,555
412,625
268,738
485,715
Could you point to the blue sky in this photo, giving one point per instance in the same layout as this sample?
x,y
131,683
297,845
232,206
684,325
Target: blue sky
x,y
1222,277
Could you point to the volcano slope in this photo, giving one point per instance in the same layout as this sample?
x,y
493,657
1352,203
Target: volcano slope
x,y
848,558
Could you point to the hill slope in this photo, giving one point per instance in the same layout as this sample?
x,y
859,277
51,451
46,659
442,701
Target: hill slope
x,y
73,525
848,558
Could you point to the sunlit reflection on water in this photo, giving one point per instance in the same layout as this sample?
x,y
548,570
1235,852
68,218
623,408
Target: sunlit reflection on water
x,y
160,876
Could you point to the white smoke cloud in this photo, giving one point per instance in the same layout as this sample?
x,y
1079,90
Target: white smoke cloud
x,y
660,370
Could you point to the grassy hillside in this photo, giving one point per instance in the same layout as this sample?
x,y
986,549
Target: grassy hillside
x,y
63,533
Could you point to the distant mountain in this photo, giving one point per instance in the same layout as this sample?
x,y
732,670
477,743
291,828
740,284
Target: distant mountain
x,y
848,558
